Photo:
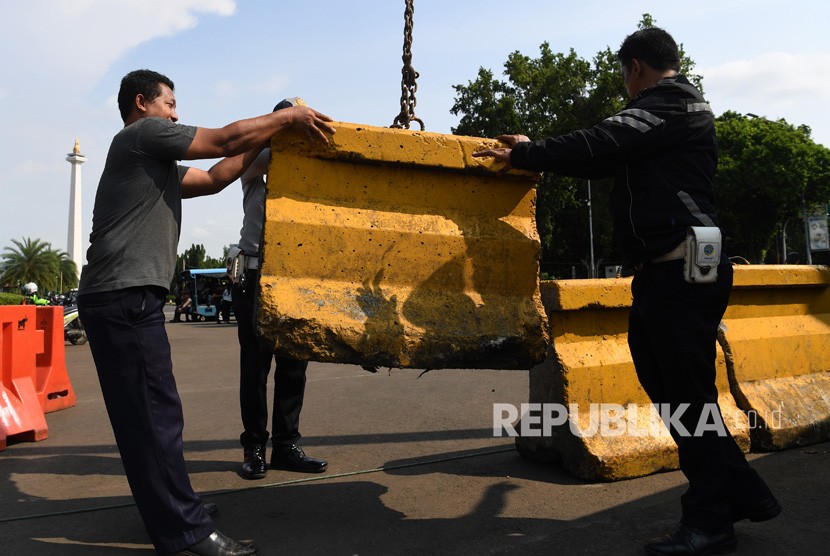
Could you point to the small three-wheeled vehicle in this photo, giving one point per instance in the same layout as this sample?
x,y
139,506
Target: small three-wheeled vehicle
x,y
202,283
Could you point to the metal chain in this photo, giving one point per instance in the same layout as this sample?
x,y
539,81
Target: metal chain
x,y
409,75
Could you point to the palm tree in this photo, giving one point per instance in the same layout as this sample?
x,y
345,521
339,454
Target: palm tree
x,y
33,260
67,272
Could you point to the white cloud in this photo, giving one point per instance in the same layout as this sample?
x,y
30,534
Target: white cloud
x,y
775,85
200,233
82,38
62,49
781,78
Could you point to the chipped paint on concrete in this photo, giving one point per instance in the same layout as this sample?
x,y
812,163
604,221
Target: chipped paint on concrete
x,y
778,338
773,369
398,248
590,363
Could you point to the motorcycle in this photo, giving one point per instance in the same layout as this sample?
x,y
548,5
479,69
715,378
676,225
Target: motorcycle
x,y
73,329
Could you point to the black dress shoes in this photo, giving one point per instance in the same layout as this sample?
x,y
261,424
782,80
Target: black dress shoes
x,y
253,467
292,458
763,511
688,541
218,544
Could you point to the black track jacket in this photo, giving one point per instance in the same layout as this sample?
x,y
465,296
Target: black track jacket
x,y
662,153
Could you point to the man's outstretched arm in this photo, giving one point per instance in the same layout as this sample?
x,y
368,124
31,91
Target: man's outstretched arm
x,y
198,182
243,135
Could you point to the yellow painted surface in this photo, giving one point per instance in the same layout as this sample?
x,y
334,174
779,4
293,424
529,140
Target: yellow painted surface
x,y
590,363
397,248
779,338
780,276
773,369
607,293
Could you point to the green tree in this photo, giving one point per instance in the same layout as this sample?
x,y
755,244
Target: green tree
x,y
193,257
67,272
767,172
196,257
547,96
34,260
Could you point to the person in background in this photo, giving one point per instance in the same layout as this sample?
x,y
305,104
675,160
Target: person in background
x,y
216,301
30,297
227,302
184,308
255,356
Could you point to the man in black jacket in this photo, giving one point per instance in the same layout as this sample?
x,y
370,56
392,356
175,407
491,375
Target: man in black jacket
x,y
662,153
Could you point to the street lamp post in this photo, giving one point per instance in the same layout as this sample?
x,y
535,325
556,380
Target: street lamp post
x,y
806,231
591,231
784,240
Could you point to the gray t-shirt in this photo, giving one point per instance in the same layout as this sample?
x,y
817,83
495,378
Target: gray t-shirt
x,y
138,208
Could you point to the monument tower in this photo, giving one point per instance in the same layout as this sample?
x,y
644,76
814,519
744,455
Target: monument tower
x,y
75,240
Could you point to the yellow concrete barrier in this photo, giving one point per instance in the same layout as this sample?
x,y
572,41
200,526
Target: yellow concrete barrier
x,y
778,352
590,363
397,248
773,370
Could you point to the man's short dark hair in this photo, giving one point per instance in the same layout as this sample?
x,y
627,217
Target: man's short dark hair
x,y
140,82
652,45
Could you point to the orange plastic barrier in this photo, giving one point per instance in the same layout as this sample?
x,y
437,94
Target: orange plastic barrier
x,y
51,381
21,413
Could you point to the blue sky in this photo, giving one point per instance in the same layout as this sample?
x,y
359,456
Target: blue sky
x,y
63,60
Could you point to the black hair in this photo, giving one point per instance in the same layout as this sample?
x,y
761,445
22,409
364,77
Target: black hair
x,y
140,82
652,45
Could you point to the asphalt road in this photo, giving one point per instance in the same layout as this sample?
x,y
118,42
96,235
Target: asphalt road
x,y
414,469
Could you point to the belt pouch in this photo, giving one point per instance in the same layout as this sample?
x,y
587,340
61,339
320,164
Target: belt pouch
x,y
703,248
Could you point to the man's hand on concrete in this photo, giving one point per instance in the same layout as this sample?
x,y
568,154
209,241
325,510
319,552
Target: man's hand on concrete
x,y
312,123
502,154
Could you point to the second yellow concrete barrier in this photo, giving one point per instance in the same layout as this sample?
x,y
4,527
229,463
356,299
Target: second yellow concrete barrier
x,y
589,370
397,248
773,371
778,352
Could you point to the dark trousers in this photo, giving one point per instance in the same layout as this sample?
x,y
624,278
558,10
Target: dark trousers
x,y
225,310
672,335
255,364
132,355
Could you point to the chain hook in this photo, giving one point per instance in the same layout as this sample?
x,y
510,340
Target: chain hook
x,y
408,76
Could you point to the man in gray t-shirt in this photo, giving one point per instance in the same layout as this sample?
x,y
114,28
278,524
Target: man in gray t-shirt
x,y
130,263
138,208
